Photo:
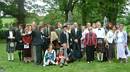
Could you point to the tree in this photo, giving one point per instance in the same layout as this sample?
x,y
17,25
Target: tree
x,y
112,8
21,12
14,8
67,7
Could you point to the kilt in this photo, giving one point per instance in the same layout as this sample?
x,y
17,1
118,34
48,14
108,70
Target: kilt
x,y
10,47
100,45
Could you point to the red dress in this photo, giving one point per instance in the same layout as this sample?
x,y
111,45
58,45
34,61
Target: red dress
x,y
27,39
59,58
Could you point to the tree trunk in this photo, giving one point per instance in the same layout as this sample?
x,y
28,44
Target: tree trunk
x,y
21,12
69,7
83,12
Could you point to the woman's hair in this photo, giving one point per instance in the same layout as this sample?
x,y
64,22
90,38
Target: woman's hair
x,y
51,45
52,28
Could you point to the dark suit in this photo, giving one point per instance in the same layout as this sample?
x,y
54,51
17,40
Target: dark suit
x,y
19,44
37,44
47,39
76,46
63,38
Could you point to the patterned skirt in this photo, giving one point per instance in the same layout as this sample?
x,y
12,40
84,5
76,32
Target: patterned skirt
x,y
10,47
100,45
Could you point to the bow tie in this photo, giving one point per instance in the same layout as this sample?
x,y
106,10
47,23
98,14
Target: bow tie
x,y
99,29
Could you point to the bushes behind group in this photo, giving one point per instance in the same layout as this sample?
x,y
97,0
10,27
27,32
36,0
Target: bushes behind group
x,y
2,33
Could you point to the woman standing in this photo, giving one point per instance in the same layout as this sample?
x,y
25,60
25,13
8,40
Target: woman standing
x,y
110,43
19,45
54,38
27,39
121,43
90,43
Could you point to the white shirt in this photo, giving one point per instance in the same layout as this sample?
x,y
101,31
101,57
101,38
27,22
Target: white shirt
x,y
76,30
94,30
121,37
100,33
10,34
110,36
84,33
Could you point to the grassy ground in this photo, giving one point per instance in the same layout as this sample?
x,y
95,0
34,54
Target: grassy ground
x,y
78,66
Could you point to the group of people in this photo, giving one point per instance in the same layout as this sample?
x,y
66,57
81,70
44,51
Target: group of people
x,y
59,45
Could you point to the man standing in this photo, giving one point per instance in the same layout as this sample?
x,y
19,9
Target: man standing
x,y
76,43
37,44
65,42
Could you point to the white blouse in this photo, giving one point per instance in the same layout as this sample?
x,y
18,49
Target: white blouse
x,y
110,36
100,33
121,37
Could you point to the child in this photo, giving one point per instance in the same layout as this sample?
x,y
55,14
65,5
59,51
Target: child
x,y
49,56
60,59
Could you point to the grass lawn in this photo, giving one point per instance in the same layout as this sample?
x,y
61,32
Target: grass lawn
x,y
78,66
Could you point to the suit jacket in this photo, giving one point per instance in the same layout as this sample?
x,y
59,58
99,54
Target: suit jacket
x,y
18,36
76,35
36,38
63,38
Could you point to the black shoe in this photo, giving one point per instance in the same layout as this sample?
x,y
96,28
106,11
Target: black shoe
x,y
61,65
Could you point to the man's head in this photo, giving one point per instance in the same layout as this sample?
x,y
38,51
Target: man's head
x,y
98,24
75,24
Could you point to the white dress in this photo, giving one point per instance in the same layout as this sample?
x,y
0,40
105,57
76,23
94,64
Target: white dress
x,y
121,41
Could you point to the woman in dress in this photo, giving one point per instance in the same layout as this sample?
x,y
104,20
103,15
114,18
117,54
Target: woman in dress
x,y
54,38
19,43
121,43
60,59
49,56
27,39
110,43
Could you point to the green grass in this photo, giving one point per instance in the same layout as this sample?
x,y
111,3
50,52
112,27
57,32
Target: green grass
x,y
78,66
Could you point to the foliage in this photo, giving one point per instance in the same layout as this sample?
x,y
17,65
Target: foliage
x,y
14,8
53,17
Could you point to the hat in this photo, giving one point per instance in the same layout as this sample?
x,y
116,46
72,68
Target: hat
x,y
64,26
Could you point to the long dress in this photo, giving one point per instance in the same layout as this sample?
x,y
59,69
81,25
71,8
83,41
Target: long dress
x,y
121,41
27,45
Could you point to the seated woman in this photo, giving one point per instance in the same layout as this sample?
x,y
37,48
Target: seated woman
x,y
60,59
49,56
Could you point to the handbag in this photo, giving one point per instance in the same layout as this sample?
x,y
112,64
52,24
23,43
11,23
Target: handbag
x,y
126,51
